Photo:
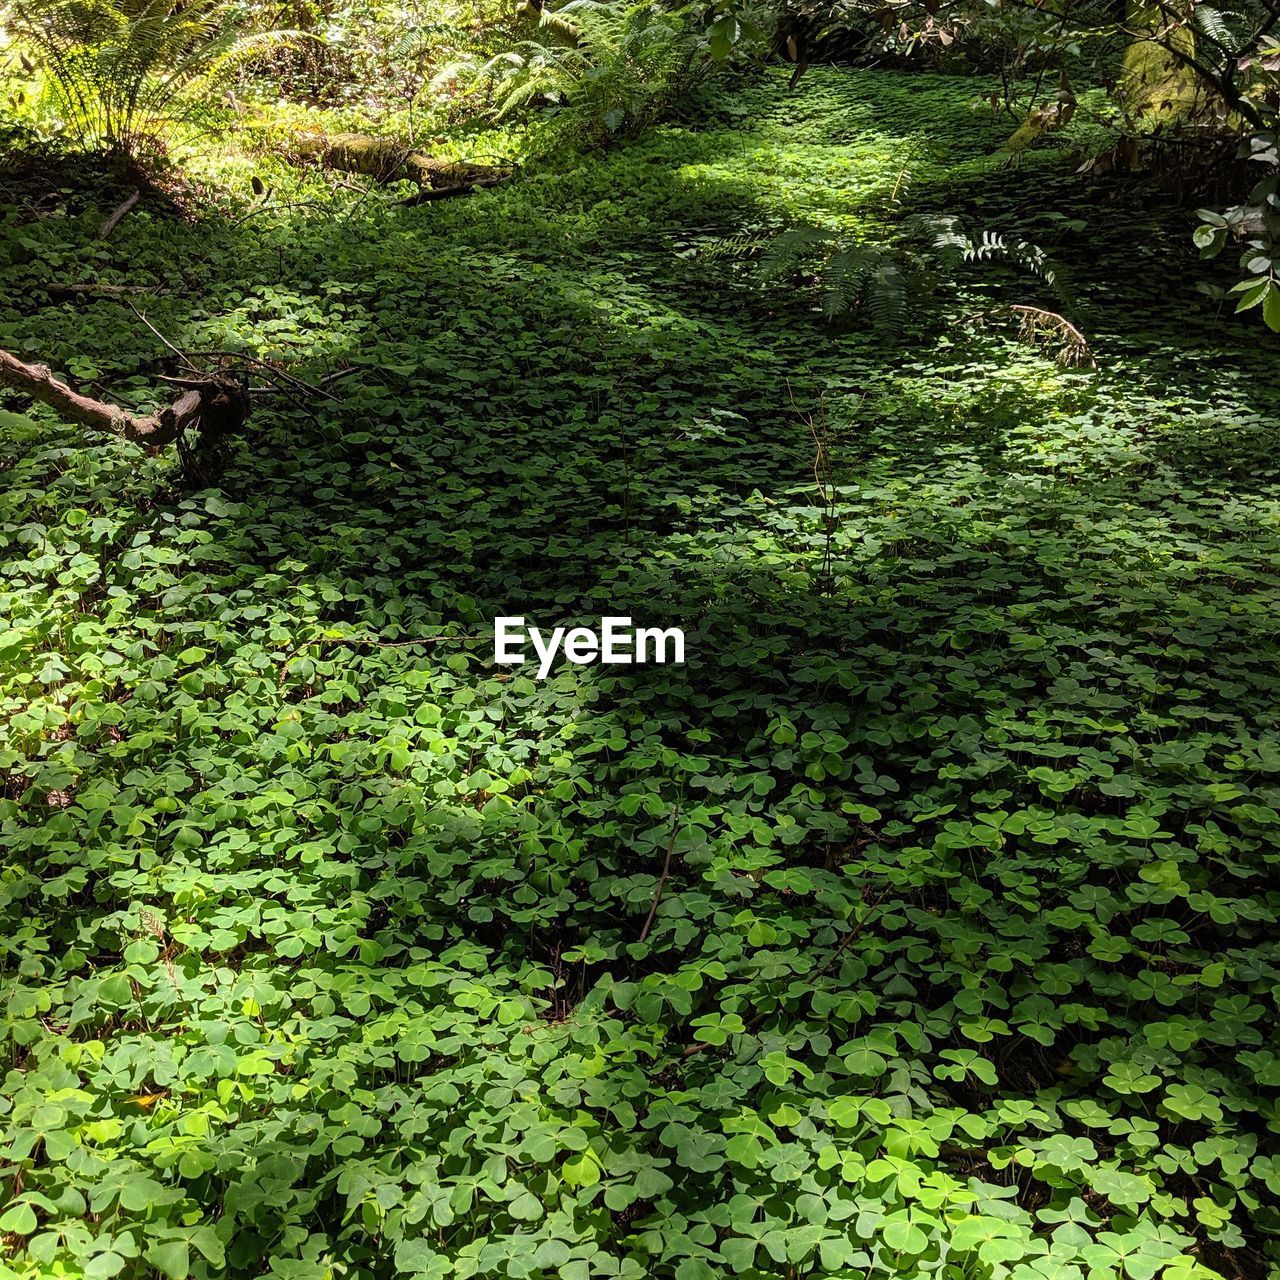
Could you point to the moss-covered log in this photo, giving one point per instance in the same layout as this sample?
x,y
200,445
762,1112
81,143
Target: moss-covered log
x,y
385,160
1158,81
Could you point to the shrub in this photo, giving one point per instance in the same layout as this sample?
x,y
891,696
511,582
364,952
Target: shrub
x,y
606,70
117,71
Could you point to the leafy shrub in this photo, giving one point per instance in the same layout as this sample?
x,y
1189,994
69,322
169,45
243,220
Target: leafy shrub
x,y
119,71
605,69
1255,225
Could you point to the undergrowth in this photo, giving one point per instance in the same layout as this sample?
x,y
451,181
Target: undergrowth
x,y
322,935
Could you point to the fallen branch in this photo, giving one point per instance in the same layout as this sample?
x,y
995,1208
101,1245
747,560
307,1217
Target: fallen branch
x,y
447,193
1038,327
217,402
386,161
114,220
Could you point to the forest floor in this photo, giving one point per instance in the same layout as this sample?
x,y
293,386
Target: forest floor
x,y
325,938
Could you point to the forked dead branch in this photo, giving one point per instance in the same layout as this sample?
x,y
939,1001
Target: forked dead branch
x,y
216,402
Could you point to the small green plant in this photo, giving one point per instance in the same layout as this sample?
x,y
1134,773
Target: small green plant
x,y
852,275
1256,227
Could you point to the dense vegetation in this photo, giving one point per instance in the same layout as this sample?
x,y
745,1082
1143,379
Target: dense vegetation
x,y
923,923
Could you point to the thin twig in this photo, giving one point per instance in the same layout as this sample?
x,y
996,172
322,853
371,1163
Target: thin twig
x,y
666,871
428,194
196,383
180,354
291,378
188,384
277,208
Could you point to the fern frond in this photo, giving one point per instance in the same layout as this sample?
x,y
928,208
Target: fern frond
x,y
853,276
119,70
609,67
737,247
788,250
886,297
844,277
1221,26
951,241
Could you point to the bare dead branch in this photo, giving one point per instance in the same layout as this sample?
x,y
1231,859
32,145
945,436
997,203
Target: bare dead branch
x,y
114,220
217,401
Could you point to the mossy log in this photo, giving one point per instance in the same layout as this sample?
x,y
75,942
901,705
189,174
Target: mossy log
x,y
1158,82
385,160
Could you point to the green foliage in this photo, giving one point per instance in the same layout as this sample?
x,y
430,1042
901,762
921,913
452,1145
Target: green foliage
x,y
322,934
119,71
1257,226
604,69
853,276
